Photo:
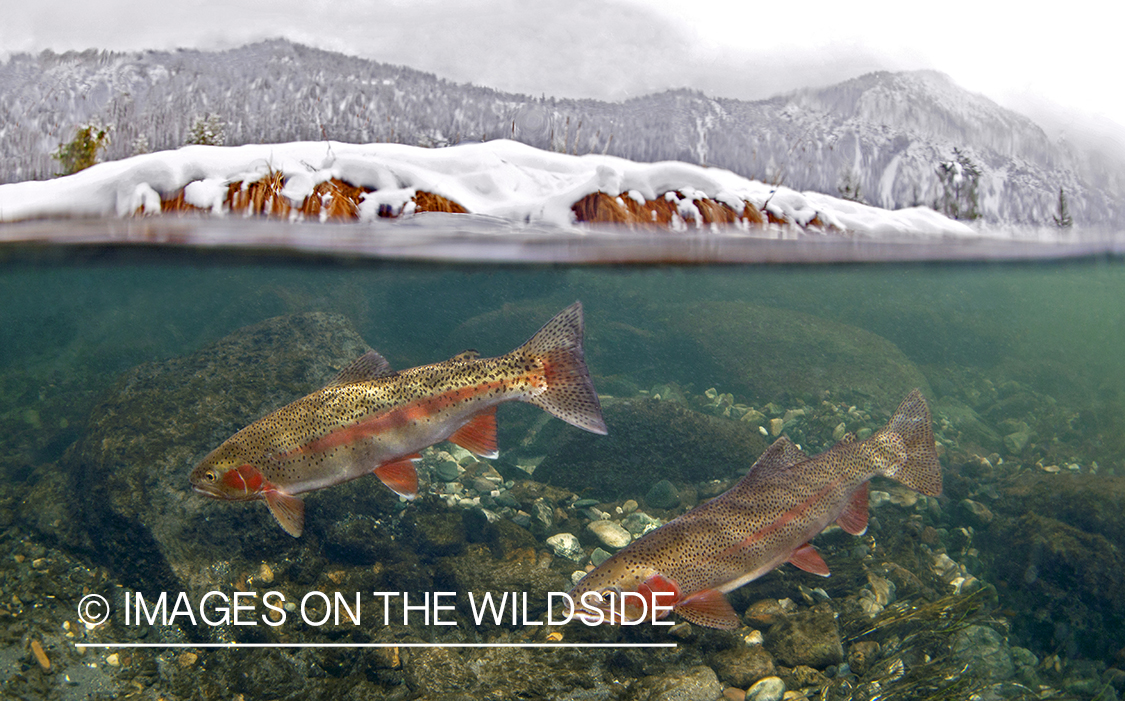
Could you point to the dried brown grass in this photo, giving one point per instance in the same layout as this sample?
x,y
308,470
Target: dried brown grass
x,y
429,202
607,209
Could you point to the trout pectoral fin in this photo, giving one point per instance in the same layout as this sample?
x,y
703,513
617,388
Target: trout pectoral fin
x,y
808,559
478,436
854,518
288,510
400,475
708,608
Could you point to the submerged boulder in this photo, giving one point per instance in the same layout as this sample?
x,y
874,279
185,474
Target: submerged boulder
x,y
124,487
649,440
766,354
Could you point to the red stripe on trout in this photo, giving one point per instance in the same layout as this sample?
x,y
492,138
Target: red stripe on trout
x,y
372,420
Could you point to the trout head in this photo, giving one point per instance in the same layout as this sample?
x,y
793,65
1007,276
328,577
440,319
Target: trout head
x,y
227,474
619,593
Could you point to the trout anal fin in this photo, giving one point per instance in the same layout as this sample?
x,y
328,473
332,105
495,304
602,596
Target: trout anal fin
x,y
854,518
808,559
478,436
708,608
288,510
400,476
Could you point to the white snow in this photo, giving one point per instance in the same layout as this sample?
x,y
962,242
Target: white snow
x,y
501,179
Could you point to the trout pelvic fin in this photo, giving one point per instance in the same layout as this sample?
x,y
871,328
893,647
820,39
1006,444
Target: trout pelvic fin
x,y
569,394
912,425
808,559
400,475
288,510
854,518
478,436
708,608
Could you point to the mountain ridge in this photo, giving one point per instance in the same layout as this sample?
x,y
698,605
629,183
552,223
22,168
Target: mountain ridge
x,y
884,132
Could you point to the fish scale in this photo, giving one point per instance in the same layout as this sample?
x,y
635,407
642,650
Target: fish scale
x,y
370,419
765,520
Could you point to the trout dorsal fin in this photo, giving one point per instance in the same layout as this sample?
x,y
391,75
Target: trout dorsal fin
x,y
781,455
368,366
466,355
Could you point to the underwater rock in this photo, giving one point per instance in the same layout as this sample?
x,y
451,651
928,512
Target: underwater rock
x,y
1059,545
975,513
611,534
696,684
984,651
638,523
567,545
763,354
742,666
768,689
126,491
651,438
809,638
663,495
861,655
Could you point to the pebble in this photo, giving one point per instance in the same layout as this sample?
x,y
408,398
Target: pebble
x,y
840,431
977,514
768,689
542,515
629,506
265,574
584,503
775,427
566,545
638,523
611,534
663,495
113,660
40,655
447,470
599,556
187,659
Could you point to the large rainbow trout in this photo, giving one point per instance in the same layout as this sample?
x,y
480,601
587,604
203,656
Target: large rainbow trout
x,y
688,564
370,419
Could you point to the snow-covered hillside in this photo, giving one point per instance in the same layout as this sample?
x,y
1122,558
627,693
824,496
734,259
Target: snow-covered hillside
x,y
884,133
502,179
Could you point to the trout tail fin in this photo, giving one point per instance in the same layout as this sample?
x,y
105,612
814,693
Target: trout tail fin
x,y
911,430
569,394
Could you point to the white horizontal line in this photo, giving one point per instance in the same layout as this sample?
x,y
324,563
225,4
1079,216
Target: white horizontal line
x,y
312,645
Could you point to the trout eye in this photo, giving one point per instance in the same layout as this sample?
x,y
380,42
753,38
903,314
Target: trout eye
x,y
209,476
611,591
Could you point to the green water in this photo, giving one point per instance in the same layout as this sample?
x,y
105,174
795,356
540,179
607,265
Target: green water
x,y
1030,353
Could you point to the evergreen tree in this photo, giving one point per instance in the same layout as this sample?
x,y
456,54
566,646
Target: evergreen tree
x,y
207,131
849,187
82,151
960,187
1062,219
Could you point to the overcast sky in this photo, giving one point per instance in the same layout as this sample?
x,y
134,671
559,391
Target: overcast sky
x,y
1059,67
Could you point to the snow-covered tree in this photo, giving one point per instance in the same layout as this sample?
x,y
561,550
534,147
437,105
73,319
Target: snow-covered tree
x,y
848,186
207,131
960,187
81,152
1062,218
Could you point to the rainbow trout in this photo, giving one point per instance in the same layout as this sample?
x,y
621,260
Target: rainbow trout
x,y
370,419
688,564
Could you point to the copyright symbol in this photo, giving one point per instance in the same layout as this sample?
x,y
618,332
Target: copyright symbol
x,y
93,610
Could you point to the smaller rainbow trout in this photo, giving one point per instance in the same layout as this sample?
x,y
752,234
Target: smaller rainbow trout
x,y
689,563
370,419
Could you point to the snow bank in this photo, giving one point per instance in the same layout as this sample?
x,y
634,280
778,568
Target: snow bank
x,y
501,179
